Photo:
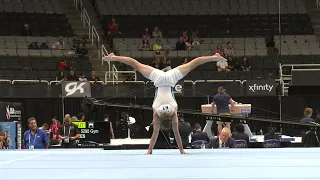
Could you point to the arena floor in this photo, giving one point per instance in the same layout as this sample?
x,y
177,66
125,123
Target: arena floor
x,y
222,164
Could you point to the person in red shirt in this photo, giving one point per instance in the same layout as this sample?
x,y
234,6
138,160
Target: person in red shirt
x,y
113,26
62,65
54,128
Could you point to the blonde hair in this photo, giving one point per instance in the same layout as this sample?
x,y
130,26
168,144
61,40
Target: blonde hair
x,y
166,121
307,111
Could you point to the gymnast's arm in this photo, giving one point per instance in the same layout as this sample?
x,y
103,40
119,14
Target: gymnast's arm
x,y
155,134
175,128
145,70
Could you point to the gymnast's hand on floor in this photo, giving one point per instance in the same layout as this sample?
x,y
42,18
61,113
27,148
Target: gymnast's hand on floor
x,y
149,152
183,152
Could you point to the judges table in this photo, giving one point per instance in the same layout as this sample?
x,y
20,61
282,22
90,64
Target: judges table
x,y
239,110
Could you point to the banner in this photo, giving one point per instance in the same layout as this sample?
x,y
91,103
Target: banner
x,y
178,89
10,111
261,87
75,89
93,133
10,128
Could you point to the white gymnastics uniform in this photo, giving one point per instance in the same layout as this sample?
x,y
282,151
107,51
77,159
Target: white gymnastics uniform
x,y
165,82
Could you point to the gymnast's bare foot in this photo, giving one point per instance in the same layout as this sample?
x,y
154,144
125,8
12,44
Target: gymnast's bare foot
x,y
149,152
220,57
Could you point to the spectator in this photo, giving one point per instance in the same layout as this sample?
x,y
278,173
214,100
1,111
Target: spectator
x,y
54,128
239,133
167,46
81,51
184,131
156,33
199,134
3,140
157,47
185,61
307,116
156,63
223,66
60,76
35,138
184,37
229,51
93,77
109,38
82,77
58,44
26,31
113,27
223,141
230,63
145,33
181,46
189,44
145,46
219,50
63,65
71,76
106,119
245,65
44,127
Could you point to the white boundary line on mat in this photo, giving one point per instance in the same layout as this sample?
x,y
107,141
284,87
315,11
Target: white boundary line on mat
x,y
24,158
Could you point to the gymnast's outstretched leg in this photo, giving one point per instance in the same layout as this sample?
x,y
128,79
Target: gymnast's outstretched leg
x,y
145,70
186,68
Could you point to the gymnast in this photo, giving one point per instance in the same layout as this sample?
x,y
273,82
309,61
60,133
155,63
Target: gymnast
x,y
164,104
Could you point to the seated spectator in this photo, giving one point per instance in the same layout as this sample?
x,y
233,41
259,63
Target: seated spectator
x,y
223,141
164,65
199,134
156,33
185,61
113,27
229,51
58,44
167,46
219,50
184,36
230,63
157,47
189,44
145,33
245,65
195,41
26,31
93,77
239,133
82,77
156,63
72,77
223,66
145,46
181,46
60,76
63,65
81,51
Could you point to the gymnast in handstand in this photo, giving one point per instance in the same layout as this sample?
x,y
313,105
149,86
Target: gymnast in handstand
x,y
164,105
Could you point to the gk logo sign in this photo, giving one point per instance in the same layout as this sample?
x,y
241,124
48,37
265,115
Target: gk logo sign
x,y
261,87
76,89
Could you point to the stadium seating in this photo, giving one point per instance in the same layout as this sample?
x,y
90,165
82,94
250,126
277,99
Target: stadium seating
x,y
40,24
199,7
215,25
44,68
31,6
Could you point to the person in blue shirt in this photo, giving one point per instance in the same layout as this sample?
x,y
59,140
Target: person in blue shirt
x,y
222,101
35,138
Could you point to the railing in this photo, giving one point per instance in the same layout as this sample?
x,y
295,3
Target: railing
x,y
79,2
5,81
30,81
94,34
86,20
115,75
104,53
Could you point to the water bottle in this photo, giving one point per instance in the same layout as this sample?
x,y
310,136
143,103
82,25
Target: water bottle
x,y
203,146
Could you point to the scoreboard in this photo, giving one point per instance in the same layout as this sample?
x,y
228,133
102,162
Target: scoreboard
x,y
93,133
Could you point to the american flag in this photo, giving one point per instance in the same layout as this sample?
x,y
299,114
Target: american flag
x,y
8,112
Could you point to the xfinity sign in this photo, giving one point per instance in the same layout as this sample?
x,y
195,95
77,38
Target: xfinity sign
x,y
75,89
261,87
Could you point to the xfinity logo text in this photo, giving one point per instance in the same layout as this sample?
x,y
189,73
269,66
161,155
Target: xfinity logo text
x,y
261,87
71,88
256,87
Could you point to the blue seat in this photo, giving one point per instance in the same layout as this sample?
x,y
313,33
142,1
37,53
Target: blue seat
x,y
240,143
197,144
271,143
